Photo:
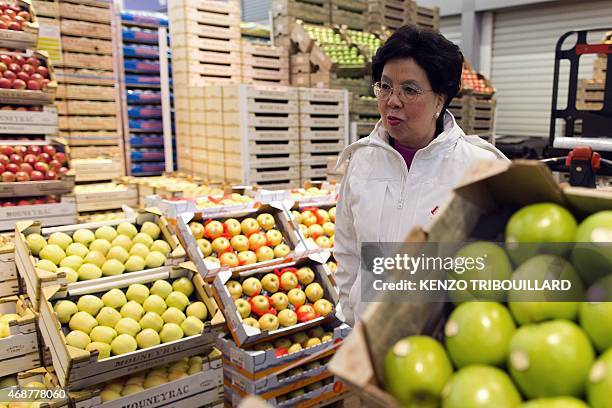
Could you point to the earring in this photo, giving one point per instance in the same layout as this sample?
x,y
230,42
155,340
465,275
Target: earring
x,y
437,115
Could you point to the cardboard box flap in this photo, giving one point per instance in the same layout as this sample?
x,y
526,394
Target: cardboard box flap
x,y
584,201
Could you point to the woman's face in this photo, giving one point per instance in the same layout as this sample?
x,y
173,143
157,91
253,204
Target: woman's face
x,y
411,122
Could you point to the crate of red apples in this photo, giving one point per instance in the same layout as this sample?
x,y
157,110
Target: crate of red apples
x,y
26,78
18,25
34,169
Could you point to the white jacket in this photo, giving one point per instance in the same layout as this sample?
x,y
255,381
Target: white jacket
x,y
381,200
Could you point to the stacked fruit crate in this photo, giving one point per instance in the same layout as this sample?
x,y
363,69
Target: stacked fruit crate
x,y
144,101
88,95
385,16
349,13
205,41
324,123
286,12
264,64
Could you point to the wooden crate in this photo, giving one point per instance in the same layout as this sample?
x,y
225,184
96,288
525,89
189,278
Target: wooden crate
x,y
83,76
227,32
349,17
423,16
27,37
599,68
97,169
86,45
85,29
91,152
76,107
590,95
20,348
108,196
88,122
87,138
322,146
46,8
84,13
310,12
86,92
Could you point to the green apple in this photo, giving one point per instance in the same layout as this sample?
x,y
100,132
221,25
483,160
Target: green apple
x,y
161,246
197,309
151,320
90,304
127,325
539,224
72,261
173,315
78,339
480,386
142,238
147,338
140,250
53,253
600,381
83,236
135,263
100,245
592,255
161,288
151,229
192,326
559,402
103,349
65,309
131,389
103,334
82,321
122,344
596,320
36,242
46,265
170,332
106,232
109,395
531,306
314,292
95,257
122,241
112,267
551,359
89,271
119,253
184,285
77,249
416,369
205,246
155,259
108,317
155,304
114,298
178,300
479,333
128,229
132,309
60,239
137,292
71,275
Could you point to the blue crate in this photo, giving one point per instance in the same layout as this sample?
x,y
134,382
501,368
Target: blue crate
x,y
140,51
146,125
142,80
147,168
148,97
146,140
145,112
147,155
140,35
141,66
144,18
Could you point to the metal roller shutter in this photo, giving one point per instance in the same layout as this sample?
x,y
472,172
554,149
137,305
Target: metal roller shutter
x,y
450,27
523,54
256,10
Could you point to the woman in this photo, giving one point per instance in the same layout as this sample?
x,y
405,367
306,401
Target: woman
x,y
400,174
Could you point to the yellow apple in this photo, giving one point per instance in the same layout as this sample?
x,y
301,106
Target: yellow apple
x,y
138,293
118,253
122,241
251,286
106,232
36,242
82,321
332,214
233,226
151,229
65,309
296,297
197,229
287,317
315,231
100,245
288,281
213,229
220,245
268,322
122,344
324,242
192,326
329,228
249,226
261,304
247,258
53,253
305,275
77,249
314,292
266,221
171,332
240,243
295,348
281,251
270,283
103,334
229,259
204,246
323,307
90,304
183,285
78,339
257,241
303,230
197,309
162,288
243,307
60,239
128,229
234,288
264,254
108,317
250,321
275,237
323,215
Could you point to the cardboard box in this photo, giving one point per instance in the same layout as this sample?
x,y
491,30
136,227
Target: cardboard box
x,y
36,279
28,37
77,368
488,189
19,350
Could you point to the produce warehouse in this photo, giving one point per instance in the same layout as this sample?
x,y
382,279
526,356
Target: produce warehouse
x,y
305,203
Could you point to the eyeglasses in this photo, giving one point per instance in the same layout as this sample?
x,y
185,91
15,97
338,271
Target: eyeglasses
x,y
406,93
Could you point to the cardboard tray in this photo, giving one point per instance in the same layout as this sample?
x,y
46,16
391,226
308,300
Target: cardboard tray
x,y
27,97
77,368
37,279
488,187
245,335
26,39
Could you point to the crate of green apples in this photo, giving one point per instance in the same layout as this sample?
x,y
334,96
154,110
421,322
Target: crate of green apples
x,y
60,255
274,301
18,337
98,331
509,348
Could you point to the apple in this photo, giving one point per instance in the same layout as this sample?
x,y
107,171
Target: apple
x,y
118,254
192,326
314,292
22,176
264,254
36,242
53,253
114,298
122,241
50,150
30,159
140,293
132,309
261,304
95,257
247,258
61,157
288,281
284,343
596,320
16,159
8,177
312,342
43,71
183,285
6,59
12,167
178,300
150,228
135,263
296,297
72,261
305,275
142,238
251,286
266,221
240,243
82,321
295,348
204,246
213,229
280,301
233,226
151,320
140,250
148,338
257,240
170,332
234,288
287,317
103,334
34,62
249,226
163,288
128,229
281,251
250,321
197,229
323,307
44,157
243,307
229,259
19,84
4,159
90,304
308,218
28,69
78,339
83,236
305,313
475,385
221,245
89,271
10,76
161,246
268,322
600,381
23,76
112,267
329,228
270,283
197,309
41,167
127,325
155,259
16,68
122,344
65,309
317,332
108,316
274,237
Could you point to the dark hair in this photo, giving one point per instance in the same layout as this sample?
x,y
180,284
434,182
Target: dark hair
x,y
441,60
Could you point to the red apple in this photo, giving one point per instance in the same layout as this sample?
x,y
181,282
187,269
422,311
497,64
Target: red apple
x,y
43,71
15,67
25,15
10,12
22,176
44,157
28,69
34,149
8,177
37,176
49,149
42,167
55,165
38,201
33,62
19,19
19,84
60,157
63,171
44,83
52,199
26,168
7,150
3,67
34,85
15,8
6,19
2,168
19,59
37,77
5,83
23,76
50,175
30,159
20,150
7,108
4,159
6,59
22,109
8,204
23,202
15,158
12,167
3,25
10,75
